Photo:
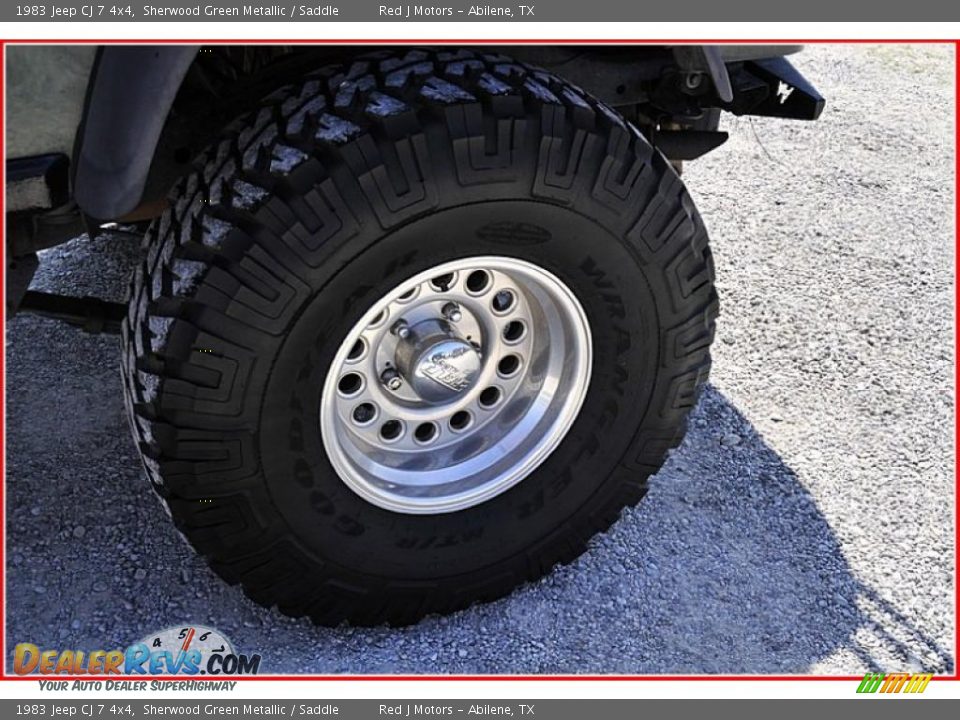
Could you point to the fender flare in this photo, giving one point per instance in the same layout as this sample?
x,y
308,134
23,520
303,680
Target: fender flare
x,y
129,97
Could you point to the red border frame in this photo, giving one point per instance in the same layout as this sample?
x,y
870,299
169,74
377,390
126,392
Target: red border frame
x,y
481,41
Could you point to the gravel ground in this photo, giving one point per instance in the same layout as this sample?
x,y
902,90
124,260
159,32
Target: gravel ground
x,y
805,525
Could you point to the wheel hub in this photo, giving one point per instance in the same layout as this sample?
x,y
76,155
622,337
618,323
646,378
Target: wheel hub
x,y
436,361
456,385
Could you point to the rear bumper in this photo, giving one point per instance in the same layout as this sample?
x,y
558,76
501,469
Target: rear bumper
x,y
773,87
753,79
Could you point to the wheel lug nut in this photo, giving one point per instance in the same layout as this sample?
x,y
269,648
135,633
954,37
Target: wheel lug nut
x,y
451,311
401,329
391,378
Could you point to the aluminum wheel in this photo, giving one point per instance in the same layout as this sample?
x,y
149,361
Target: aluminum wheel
x,y
456,385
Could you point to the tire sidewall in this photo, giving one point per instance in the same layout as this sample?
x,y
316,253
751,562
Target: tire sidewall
x,y
338,527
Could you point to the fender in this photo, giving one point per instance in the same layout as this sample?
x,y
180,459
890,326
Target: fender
x,y
129,97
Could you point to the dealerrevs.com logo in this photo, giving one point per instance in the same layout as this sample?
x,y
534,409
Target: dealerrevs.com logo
x,y
190,650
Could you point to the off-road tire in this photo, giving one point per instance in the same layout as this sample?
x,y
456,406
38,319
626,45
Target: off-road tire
x,y
330,193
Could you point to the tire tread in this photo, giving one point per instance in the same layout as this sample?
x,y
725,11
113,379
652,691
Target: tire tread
x,y
228,265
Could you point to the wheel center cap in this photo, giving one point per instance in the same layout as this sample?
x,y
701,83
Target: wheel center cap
x,y
446,369
437,363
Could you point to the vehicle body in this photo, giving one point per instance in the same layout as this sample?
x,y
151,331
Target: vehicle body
x,y
73,161
365,146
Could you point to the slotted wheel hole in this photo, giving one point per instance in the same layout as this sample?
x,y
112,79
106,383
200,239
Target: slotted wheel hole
x,y
503,301
350,384
391,430
378,318
508,365
364,413
514,331
442,282
490,397
460,421
425,432
407,295
356,352
477,281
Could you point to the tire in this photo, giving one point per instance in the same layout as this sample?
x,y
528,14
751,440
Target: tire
x,y
331,193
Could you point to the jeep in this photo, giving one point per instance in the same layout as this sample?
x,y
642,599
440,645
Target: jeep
x,y
410,325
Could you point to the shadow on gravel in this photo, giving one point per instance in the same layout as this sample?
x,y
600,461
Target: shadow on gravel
x,y
727,566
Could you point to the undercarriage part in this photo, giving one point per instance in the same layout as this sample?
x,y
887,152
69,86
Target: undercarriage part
x,y
617,76
687,144
29,232
91,314
20,271
695,60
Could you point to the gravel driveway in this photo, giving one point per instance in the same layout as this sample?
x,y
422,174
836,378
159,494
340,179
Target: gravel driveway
x,y
806,524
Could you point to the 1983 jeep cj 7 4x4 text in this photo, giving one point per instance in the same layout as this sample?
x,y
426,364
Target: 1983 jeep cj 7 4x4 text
x,y
414,327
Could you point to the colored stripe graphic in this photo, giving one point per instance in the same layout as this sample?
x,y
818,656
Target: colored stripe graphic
x,y
894,683
870,683
918,683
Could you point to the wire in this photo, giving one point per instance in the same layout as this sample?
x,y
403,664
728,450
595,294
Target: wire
x,y
760,143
